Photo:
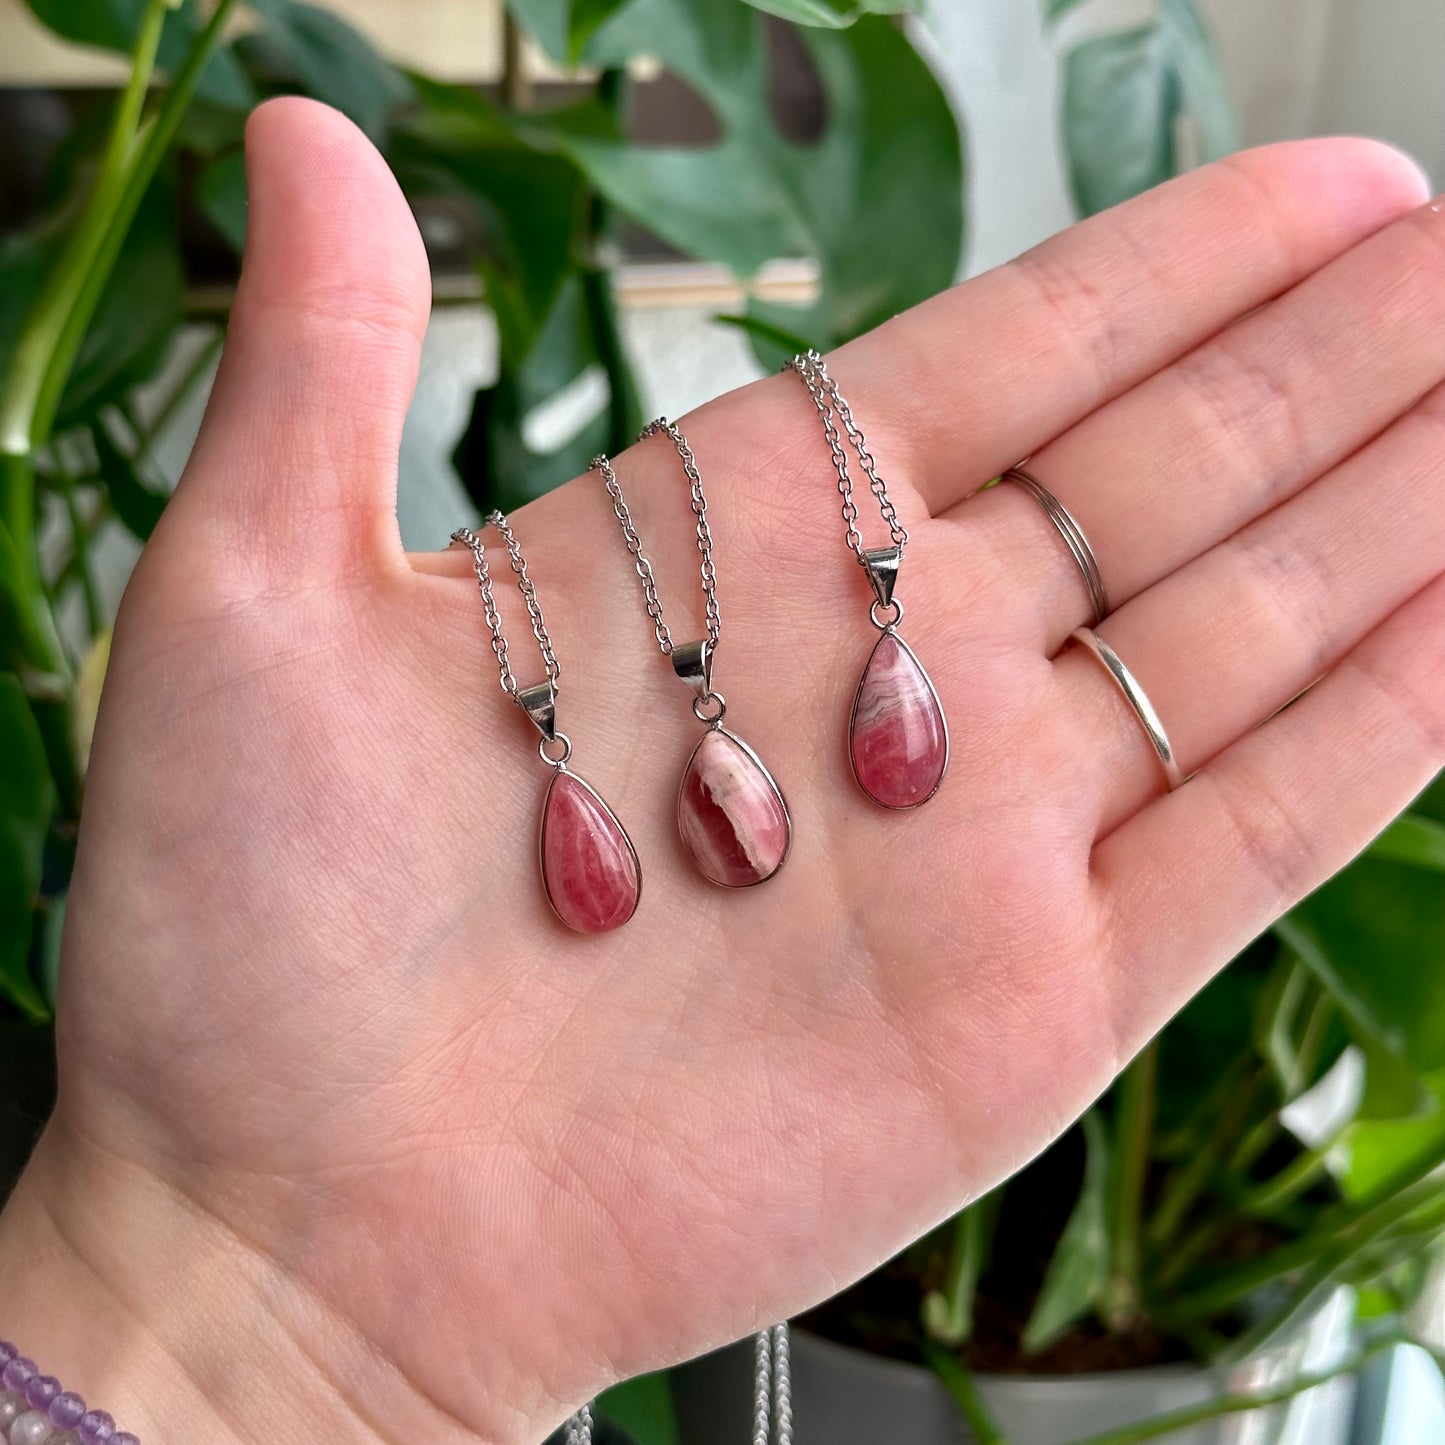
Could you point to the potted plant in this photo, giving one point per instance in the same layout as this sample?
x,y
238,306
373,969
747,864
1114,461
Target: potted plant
x,y
1247,1217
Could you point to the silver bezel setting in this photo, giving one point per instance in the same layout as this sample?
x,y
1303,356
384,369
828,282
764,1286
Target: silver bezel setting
x,y
558,769
853,718
763,768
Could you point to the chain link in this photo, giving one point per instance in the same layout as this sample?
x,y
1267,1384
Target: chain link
x,y
469,538
643,566
813,372
772,1387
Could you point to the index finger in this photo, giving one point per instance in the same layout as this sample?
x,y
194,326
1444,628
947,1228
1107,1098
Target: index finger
x,y
964,385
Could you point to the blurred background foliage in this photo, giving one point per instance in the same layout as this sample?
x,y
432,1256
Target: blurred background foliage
x,y
1191,1213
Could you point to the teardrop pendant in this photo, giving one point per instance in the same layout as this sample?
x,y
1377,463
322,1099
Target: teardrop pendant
x,y
731,815
590,871
897,734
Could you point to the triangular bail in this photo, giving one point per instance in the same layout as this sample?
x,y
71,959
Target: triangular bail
x,y
882,567
540,704
692,662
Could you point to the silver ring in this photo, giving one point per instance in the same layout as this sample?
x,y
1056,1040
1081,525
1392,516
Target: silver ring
x,y
1071,532
1135,696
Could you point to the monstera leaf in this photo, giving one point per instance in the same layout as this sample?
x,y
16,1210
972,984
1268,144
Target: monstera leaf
x,y
876,199
1125,95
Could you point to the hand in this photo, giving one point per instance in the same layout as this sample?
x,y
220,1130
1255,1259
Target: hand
x,y
354,1137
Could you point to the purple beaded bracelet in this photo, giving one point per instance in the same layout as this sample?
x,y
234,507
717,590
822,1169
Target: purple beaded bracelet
x,y
34,1410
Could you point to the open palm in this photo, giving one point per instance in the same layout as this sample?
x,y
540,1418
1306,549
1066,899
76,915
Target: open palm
x,y
477,1166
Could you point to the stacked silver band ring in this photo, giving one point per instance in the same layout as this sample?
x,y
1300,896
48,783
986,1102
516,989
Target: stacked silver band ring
x,y
1137,699
1071,532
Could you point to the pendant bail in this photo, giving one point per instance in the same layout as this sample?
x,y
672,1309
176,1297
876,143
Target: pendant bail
x,y
540,704
692,662
881,564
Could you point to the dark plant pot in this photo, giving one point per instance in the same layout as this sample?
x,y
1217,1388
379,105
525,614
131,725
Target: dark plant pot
x,y
843,1396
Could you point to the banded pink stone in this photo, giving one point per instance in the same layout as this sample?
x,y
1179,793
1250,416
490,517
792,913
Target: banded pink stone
x,y
730,813
897,736
589,868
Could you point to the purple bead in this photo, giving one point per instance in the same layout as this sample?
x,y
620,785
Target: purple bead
x,y
7,1353
67,1411
96,1428
18,1373
124,1438
41,1391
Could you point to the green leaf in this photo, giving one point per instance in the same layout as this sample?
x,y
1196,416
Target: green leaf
x,y
494,460
948,1313
27,798
51,931
549,22
1376,1151
832,14
138,505
643,1408
1393,1090
1203,90
774,344
1124,95
114,25
332,60
531,198
1055,10
1412,838
877,199
1431,803
1121,101
138,315
584,17
221,194
1374,936
1079,1268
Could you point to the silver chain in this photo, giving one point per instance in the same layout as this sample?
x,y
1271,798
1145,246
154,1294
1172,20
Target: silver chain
x,y
469,538
643,566
578,1430
772,1388
813,372
772,1394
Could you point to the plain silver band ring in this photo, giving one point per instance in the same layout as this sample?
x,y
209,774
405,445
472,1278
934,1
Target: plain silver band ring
x,y
1071,532
1135,696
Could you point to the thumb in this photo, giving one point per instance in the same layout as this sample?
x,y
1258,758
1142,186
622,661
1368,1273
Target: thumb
x,y
295,466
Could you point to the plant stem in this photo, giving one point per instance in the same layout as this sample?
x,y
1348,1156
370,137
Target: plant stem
x,y
153,141
948,1313
1261,1201
1182,1190
1134,1128
39,338
516,83
959,1383
1322,1253
80,544
1242,1401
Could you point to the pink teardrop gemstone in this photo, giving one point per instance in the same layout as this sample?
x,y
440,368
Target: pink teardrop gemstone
x,y
589,869
732,818
898,737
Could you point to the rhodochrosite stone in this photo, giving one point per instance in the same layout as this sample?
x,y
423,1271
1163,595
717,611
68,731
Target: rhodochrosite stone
x,y
898,738
589,869
732,818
